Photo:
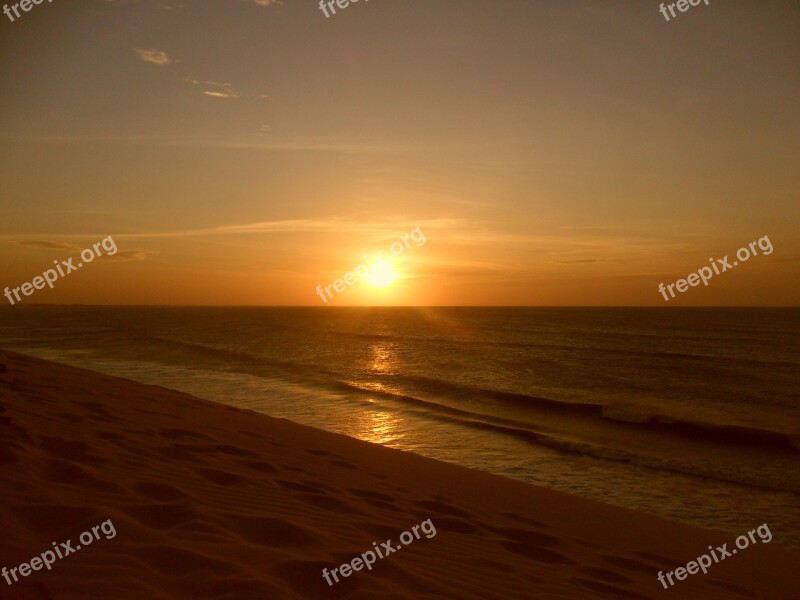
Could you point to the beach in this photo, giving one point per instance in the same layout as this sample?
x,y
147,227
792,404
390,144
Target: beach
x,y
691,415
212,501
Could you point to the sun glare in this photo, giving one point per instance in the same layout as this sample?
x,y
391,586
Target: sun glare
x,y
382,275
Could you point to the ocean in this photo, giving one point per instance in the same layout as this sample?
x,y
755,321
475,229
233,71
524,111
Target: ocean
x,y
689,413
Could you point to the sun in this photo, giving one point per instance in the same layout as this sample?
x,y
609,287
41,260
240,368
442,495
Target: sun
x,y
382,274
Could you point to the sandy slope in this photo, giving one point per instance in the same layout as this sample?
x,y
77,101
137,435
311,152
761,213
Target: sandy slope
x,y
214,502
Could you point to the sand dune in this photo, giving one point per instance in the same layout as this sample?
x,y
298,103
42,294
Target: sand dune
x,y
210,501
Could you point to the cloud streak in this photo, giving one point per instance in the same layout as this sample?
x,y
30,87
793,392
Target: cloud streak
x,y
377,230
49,245
152,56
132,255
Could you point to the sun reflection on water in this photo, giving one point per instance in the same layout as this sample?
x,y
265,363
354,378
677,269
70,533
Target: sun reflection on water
x,y
383,358
377,426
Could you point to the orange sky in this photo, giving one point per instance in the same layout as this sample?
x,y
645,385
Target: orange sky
x,y
553,153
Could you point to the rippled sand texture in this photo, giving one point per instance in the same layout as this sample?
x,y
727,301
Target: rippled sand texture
x,y
210,501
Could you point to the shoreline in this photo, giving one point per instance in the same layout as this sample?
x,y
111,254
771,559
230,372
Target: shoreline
x,y
228,503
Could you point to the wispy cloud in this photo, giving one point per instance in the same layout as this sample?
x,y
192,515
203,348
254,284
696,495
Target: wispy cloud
x,y
579,261
132,255
218,90
378,231
74,248
156,57
221,94
49,245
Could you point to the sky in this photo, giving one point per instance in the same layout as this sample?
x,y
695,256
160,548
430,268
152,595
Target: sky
x,y
552,153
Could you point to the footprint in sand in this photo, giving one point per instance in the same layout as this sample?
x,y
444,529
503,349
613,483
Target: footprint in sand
x,y
269,531
54,520
378,530
635,566
260,466
252,434
336,460
311,487
243,587
223,478
7,454
657,559
732,587
369,494
162,516
185,452
524,520
177,562
159,492
533,544
69,418
99,412
231,451
30,590
319,452
456,526
342,463
177,434
443,508
377,499
330,503
606,575
606,589
69,450
5,376
305,578
67,473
